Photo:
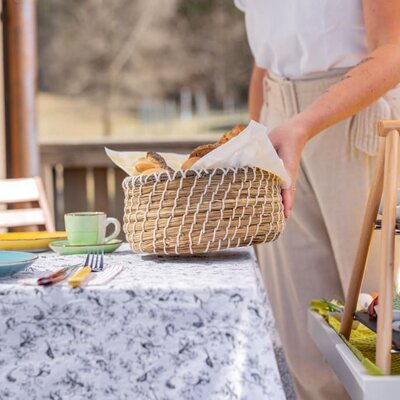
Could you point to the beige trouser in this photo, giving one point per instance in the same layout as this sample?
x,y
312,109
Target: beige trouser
x,y
313,257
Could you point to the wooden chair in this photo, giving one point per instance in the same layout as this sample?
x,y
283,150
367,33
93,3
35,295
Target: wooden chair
x,y
25,190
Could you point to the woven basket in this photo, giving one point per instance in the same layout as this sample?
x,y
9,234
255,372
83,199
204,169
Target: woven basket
x,y
188,212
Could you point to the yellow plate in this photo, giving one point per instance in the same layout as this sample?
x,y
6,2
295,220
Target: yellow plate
x,y
29,241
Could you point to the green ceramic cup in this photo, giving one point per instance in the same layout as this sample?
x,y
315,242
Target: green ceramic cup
x,y
85,228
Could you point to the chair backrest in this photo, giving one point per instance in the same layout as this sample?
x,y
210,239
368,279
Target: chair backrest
x,y
25,190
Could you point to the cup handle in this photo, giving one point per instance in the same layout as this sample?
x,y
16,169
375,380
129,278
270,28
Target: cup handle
x,y
117,228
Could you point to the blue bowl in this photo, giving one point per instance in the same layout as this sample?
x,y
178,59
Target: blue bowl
x,y
15,261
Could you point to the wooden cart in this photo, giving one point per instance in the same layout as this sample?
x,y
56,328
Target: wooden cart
x,y
358,383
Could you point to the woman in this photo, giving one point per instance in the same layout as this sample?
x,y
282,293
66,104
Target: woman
x,y
325,70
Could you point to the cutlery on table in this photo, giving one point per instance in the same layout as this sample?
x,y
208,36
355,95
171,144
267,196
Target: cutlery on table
x,y
58,275
94,263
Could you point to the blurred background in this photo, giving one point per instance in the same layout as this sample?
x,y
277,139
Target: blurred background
x,y
144,75
140,68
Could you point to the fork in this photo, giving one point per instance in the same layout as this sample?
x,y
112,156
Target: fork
x,y
94,263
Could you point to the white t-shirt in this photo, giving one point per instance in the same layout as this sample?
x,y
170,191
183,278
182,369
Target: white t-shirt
x,y
295,38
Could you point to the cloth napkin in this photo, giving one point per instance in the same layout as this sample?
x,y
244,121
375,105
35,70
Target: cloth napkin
x,y
251,147
95,279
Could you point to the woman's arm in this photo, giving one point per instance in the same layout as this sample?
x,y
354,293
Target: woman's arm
x,y
361,86
256,95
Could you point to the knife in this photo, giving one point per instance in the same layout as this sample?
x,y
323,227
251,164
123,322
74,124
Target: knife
x,y
57,276
80,277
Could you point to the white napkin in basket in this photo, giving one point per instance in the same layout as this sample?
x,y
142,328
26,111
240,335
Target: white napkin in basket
x,y
251,148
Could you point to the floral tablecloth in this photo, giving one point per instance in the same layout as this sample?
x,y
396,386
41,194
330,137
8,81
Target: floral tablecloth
x,y
165,328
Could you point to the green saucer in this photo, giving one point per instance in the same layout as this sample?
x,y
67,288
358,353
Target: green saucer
x,y
64,248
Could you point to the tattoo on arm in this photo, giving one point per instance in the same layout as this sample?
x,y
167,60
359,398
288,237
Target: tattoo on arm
x,y
344,77
364,60
348,76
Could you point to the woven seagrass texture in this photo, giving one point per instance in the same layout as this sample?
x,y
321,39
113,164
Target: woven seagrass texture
x,y
188,212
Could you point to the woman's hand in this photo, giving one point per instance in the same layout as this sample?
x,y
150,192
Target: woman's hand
x,y
288,140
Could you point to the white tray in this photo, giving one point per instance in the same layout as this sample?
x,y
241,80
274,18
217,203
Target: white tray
x,y
349,370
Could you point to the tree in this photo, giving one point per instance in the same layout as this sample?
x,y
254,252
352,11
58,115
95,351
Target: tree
x,y
93,44
116,52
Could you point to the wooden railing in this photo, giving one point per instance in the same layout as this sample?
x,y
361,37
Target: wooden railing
x,y
80,176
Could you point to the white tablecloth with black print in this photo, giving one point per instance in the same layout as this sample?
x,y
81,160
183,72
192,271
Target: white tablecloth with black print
x,y
176,328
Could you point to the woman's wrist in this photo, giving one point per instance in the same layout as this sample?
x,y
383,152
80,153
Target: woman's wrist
x,y
299,129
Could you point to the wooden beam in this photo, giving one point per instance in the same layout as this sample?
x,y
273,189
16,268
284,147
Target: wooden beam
x,y
20,65
92,154
2,122
386,267
360,261
386,126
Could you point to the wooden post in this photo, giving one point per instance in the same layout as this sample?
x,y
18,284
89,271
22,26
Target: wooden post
x,y
360,261
2,121
3,165
19,18
386,270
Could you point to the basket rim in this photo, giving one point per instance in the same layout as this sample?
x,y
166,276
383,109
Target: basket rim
x,y
182,174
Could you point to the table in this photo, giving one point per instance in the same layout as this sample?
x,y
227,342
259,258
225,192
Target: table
x,y
165,328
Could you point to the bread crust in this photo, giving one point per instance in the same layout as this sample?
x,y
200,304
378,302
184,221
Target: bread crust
x,y
142,164
203,150
155,163
156,159
152,161
189,162
231,134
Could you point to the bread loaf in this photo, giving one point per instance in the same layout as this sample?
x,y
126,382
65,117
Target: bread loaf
x,y
231,134
189,162
142,164
153,162
156,159
203,150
